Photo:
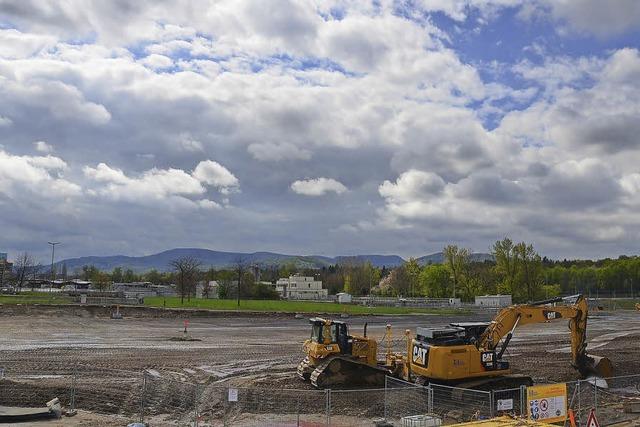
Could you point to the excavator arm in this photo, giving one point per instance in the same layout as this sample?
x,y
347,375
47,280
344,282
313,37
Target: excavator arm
x,y
574,309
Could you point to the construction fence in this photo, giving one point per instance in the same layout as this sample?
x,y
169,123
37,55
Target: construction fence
x,y
170,398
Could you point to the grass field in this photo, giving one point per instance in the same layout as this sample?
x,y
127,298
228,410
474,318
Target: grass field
x,y
36,298
291,306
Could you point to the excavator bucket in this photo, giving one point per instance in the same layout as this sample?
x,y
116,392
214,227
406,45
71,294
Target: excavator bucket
x,y
596,366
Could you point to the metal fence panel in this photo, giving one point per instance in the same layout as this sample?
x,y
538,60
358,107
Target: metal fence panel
x,y
404,399
510,402
166,399
459,404
608,402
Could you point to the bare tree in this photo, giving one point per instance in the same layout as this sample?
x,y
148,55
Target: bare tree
x,y
35,271
23,266
240,266
187,271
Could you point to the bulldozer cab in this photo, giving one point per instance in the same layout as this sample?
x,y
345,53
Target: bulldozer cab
x,y
330,332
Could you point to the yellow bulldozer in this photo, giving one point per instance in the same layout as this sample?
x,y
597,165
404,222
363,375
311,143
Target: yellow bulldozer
x,y
468,355
333,358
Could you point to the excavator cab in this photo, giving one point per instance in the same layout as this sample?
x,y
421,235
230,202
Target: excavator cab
x,y
331,333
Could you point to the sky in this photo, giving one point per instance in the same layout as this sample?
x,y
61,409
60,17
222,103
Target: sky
x,y
319,127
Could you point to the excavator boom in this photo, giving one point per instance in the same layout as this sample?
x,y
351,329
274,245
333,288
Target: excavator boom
x,y
574,309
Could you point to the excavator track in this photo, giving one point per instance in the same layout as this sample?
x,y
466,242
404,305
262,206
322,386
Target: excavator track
x,y
305,369
342,371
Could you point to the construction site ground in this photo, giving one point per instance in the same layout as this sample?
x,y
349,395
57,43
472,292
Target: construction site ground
x,y
252,350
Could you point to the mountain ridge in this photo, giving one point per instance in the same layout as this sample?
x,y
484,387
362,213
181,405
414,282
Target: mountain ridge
x,y
221,259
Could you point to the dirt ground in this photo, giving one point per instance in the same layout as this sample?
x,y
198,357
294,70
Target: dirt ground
x,y
263,350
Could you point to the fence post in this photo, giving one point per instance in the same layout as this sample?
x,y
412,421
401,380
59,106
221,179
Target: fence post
x,y
523,398
491,404
579,403
73,387
328,403
142,397
195,405
430,398
385,396
595,395
224,406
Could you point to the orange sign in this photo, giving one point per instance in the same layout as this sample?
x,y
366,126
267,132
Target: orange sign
x,y
547,402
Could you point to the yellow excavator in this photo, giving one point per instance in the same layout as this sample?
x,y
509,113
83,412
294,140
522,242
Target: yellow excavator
x,y
465,354
470,354
333,358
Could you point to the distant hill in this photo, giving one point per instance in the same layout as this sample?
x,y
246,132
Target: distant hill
x,y
376,260
438,258
217,259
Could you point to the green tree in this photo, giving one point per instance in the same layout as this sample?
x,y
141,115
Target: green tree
x,y
100,280
399,281
116,275
129,276
412,269
457,260
435,281
347,284
507,265
153,276
530,269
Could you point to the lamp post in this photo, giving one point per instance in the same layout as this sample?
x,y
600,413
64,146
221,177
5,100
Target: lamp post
x,y
53,251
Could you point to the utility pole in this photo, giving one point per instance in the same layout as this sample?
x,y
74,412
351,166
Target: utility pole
x,y
53,251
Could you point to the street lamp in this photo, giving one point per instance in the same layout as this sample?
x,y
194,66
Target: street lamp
x,y
53,251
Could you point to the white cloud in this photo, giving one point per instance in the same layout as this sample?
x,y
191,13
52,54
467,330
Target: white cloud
x,y
214,174
35,174
17,45
154,184
412,184
43,147
383,100
318,187
602,18
157,62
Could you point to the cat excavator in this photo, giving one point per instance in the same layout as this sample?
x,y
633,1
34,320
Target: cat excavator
x,y
468,355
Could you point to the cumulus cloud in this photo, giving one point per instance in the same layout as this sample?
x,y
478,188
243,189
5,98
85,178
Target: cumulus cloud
x,y
157,62
412,184
214,174
603,19
433,142
160,185
318,187
39,175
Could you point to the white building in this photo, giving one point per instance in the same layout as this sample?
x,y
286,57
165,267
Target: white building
x,y
207,290
301,287
343,298
493,301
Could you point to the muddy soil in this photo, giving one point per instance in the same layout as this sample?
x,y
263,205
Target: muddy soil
x,y
42,349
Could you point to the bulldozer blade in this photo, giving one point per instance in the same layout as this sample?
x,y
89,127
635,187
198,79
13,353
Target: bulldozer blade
x,y
596,366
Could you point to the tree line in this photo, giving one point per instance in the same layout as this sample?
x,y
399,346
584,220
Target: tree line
x,y
516,269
